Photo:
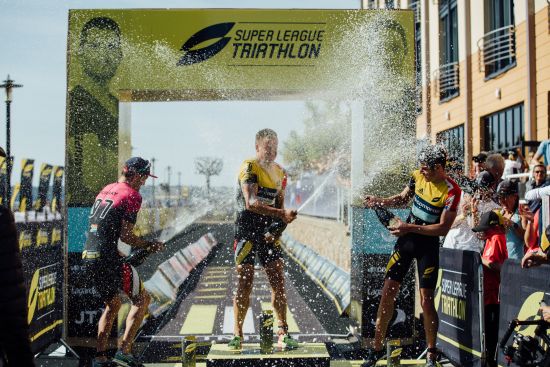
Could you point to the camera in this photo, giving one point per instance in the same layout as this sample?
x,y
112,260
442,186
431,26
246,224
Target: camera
x,y
525,350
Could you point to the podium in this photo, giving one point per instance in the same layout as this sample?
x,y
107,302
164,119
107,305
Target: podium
x,y
307,355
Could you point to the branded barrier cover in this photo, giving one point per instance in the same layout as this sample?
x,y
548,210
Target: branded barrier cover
x,y
459,302
41,245
520,295
372,245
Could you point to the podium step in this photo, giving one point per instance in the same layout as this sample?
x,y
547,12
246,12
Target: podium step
x,y
308,355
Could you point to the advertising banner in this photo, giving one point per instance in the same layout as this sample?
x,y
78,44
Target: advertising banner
x,y
57,188
371,249
520,294
459,303
3,177
25,189
43,186
41,245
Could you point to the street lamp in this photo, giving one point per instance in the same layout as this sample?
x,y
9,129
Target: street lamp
x,y
8,86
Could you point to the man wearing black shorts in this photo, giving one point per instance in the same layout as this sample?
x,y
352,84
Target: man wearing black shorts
x,y
260,201
113,217
435,200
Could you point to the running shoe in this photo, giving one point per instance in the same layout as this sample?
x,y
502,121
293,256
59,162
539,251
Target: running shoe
x,y
126,360
287,342
373,356
235,343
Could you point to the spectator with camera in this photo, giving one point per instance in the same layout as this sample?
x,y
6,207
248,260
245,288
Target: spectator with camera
x,y
460,236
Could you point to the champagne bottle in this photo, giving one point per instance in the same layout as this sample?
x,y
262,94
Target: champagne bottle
x,y
137,257
275,229
385,217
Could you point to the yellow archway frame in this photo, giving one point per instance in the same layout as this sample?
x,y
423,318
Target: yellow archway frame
x,y
117,56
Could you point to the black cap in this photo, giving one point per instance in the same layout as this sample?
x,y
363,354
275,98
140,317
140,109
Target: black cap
x,y
488,220
507,187
484,180
138,165
481,157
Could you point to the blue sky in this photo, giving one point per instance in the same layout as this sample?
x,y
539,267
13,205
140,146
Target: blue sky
x,y
33,41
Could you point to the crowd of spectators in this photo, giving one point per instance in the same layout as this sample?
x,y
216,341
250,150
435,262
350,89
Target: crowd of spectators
x,y
493,221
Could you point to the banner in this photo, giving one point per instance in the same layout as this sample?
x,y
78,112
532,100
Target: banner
x,y
372,245
43,186
459,305
25,193
41,245
3,177
521,291
14,203
57,188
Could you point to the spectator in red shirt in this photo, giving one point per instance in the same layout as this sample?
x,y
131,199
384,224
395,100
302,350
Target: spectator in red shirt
x,y
494,254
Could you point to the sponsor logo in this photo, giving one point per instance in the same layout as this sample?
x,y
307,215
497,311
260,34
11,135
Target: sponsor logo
x,y
194,55
435,200
41,291
252,43
89,317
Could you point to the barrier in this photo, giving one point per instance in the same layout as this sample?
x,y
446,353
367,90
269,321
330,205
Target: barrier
x,y
41,246
333,280
171,274
372,245
459,304
520,293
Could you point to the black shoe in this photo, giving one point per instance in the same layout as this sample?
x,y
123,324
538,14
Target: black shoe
x,y
373,356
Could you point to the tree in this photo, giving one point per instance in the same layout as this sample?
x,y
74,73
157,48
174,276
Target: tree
x,y
325,141
208,166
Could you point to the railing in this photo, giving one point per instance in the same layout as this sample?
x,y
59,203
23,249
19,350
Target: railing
x,y
497,50
447,80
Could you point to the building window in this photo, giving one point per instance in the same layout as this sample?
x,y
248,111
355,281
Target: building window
x,y
499,41
390,4
448,80
415,6
504,129
453,140
371,4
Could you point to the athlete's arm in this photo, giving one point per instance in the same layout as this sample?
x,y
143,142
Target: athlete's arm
x,y
437,229
493,265
127,236
398,200
252,203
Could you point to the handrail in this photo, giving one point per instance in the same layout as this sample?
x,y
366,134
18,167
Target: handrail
x,y
496,45
447,79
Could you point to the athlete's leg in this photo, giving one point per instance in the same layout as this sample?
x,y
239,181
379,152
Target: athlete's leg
x,y
134,320
276,277
428,270
241,301
431,321
106,323
385,311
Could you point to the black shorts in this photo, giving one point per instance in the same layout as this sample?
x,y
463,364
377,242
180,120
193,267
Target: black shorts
x,y
111,278
246,251
425,249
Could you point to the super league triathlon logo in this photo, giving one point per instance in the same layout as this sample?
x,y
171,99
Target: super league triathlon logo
x,y
270,41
